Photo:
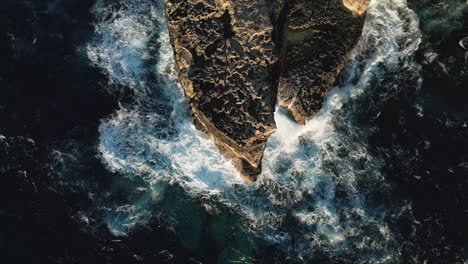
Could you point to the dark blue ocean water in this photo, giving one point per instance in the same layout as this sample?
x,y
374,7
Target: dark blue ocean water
x,y
313,194
377,176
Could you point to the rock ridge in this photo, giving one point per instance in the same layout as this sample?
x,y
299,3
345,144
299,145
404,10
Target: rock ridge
x,y
237,59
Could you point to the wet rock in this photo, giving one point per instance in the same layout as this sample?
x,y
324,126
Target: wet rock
x,y
232,55
319,38
228,66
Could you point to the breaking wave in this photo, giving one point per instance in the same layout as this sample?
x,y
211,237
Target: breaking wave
x,y
314,193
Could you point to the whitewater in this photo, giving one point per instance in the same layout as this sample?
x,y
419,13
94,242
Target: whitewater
x,y
314,192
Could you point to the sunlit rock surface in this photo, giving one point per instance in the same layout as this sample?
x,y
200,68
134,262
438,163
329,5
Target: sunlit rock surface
x,y
236,59
228,67
357,6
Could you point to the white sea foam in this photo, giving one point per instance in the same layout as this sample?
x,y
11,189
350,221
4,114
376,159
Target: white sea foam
x,y
154,137
303,166
389,38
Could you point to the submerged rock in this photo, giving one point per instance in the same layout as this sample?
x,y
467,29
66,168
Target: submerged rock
x,y
235,59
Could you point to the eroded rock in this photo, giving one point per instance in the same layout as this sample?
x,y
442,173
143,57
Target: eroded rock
x,y
230,55
228,67
319,38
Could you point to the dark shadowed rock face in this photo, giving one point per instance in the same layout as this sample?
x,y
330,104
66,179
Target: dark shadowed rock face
x,y
318,39
232,55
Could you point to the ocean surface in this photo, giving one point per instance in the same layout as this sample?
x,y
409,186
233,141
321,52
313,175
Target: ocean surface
x,y
313,194
377,176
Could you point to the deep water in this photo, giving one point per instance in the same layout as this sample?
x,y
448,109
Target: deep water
x,y
100,162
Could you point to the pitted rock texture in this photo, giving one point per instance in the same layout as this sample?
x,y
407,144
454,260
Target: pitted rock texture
x,y
231,54
228,66
318,39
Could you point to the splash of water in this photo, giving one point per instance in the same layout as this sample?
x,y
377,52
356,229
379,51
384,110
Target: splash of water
x,y
314,175
320,162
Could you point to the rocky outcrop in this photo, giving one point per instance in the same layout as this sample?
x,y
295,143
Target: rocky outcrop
x,y
228,67
318,38
236,58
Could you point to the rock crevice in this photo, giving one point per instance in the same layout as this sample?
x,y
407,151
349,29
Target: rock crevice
x,y
238,59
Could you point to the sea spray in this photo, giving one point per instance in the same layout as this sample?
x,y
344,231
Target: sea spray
x,y
310,200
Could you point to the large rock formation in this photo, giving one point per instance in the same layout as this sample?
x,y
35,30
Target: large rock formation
x,y
235,58
227,64
318,38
